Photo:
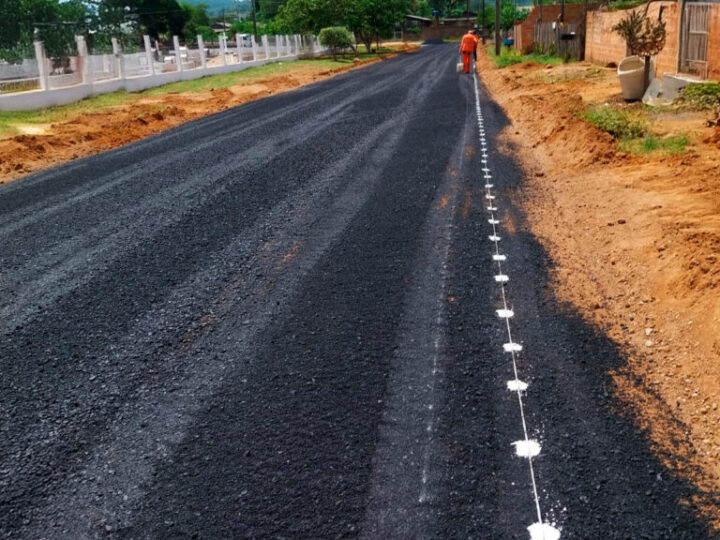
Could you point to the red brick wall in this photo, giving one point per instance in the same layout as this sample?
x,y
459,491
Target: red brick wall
x,y
603,46
525,31
713,54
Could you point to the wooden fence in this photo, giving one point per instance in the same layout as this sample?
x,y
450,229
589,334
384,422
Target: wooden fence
x,y
564,40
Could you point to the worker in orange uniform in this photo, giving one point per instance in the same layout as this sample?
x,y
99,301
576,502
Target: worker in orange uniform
x,y
468,45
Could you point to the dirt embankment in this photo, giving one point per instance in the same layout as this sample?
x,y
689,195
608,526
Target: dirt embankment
x,y
637,246
90,132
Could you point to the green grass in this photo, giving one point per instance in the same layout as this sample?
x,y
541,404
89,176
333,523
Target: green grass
x,y
625,4
247,76
509,56
619,124
9,120
706,94
652,145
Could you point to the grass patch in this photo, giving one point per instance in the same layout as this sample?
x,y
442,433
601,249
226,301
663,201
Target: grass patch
x,y
652,145
706,94
10,120
619,124
509,56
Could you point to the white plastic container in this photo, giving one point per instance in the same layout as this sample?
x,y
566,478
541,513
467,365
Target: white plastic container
x,y
631,72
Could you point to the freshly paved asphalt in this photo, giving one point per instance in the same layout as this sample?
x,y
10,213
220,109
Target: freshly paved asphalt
x,y
278,322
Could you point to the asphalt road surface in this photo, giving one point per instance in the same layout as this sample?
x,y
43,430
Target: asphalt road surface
x,y
279,322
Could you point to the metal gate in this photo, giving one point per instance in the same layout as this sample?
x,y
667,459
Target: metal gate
x,y
694,39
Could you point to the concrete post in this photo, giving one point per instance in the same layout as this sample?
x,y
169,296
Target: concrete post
x,y
43,74
178,56
149,55
223,48
297,45
201,47
84,60
266,46
239,45
277,46
119,58
254,47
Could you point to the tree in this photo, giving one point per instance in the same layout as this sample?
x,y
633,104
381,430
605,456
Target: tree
x,y
337,38
372,20
197,21
310,16
54,22
644,37
270,8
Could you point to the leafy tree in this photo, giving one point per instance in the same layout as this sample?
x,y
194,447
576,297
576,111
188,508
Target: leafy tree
x,y
197,21
510,15
421,8
372,20
644,37
337,38
269,8
310,16
55,23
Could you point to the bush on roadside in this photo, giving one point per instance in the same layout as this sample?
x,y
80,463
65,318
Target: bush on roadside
x,y
337,38
619,124
706,94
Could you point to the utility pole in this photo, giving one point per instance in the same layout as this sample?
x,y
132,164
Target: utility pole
x,y
254,19
497,27
484,24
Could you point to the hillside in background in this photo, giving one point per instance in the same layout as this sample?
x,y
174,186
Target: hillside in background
x,y
216,7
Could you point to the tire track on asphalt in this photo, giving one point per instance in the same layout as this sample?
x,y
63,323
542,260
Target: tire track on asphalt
x,y
353,201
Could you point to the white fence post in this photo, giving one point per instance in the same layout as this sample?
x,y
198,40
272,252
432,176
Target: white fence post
x,y
149,55
223,48
277,46
43,74
201,47
119,58
239,44
84,60
266,46
178,56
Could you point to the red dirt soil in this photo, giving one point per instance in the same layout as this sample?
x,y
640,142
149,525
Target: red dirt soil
x,y
636,241
89,133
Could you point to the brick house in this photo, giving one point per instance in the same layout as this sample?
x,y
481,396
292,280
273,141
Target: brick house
x,y
692,46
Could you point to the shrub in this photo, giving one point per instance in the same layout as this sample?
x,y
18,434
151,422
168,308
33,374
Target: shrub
x,y
337,38
617,123
706,94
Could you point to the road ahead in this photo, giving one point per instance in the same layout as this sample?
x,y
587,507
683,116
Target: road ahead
x,y
279,322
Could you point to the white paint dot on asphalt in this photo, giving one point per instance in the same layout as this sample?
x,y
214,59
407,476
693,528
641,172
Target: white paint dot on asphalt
x,y
489,186
543,531
512,347
493,221
505,313
517,385
489,197
527,448
499,258
485,170
494,238
502,278
491,208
